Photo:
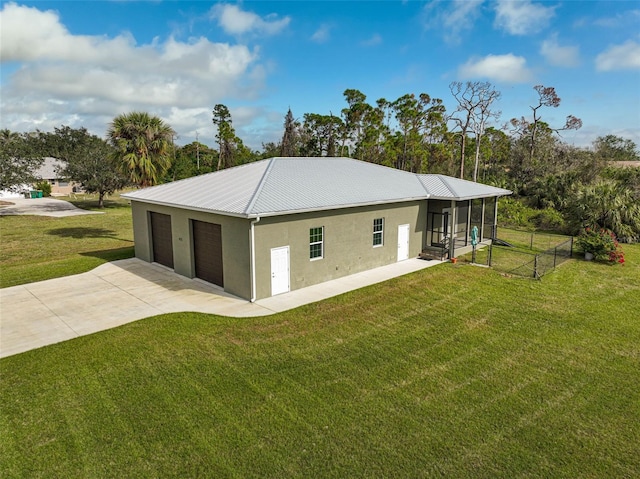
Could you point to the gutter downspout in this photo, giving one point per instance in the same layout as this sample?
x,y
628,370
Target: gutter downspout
x,y
252,240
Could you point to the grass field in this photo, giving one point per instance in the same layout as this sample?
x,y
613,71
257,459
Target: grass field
x,y
454,371
35,248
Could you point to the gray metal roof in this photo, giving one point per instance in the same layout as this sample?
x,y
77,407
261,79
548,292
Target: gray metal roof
x,y
279,186
444,187
50,169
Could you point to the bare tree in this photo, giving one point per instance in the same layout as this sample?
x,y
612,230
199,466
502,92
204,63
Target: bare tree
x,y
481,115
473,111
547,96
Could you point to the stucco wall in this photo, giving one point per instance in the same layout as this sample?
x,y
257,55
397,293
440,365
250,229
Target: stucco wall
x,y
235,243
348,242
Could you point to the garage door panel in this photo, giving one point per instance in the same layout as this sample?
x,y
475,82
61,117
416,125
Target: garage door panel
x,y
161,239
207,250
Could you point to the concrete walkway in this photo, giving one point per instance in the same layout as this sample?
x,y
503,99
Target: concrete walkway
x,y
37,314
43,207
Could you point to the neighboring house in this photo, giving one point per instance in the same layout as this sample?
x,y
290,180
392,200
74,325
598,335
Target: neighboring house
x,y
281,224
50,172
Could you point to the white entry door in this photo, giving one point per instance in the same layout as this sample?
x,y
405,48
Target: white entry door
x,y
279,270
403,242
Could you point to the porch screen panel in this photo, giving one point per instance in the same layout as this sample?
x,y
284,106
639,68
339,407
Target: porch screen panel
x,y
462,208
476,214
489,216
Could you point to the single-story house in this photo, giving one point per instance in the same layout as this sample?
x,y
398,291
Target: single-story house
x,y
281,224
50,172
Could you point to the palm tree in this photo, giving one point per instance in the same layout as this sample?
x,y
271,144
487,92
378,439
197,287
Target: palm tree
x,y
606,204
144,146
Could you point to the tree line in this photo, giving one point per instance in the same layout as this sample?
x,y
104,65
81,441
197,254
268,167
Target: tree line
x,y
414,133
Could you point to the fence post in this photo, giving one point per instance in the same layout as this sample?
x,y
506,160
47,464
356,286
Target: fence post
x,y
535,266
571,250
490,253
555,254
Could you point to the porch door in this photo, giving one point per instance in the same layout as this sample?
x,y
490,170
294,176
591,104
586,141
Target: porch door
x,y
279,270
439,228
403,242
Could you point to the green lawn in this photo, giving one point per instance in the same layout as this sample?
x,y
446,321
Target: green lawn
x,y
35,248
454,371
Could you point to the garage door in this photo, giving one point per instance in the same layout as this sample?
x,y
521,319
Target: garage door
x,y
161,239
207,251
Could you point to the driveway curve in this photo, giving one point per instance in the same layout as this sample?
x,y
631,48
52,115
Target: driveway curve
x,y
43,207
47,312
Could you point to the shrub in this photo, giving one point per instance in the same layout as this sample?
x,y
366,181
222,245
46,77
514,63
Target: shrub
x,y
549,220
515,214
44,186
601,243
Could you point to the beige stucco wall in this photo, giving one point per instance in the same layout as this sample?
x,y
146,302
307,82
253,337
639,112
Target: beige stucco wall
x,y
235,243
348,242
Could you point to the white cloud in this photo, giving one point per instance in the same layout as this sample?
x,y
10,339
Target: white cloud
x,y
567,56
619,20
235,21
505,68
522,17
372,41
460,15
620,57
322,34
84,80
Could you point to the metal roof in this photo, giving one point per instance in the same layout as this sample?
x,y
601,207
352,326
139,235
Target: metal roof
x,y
442,187
279,186
50,169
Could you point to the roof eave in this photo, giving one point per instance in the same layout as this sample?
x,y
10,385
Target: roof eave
x,y
472,197
187,207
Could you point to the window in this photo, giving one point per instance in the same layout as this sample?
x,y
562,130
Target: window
x,y
378,231
316,243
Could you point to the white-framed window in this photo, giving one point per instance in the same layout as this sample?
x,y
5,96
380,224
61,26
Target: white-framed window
x,y
316,243
378,232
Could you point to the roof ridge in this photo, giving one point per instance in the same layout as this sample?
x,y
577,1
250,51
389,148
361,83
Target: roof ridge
x,y
258,190
443,178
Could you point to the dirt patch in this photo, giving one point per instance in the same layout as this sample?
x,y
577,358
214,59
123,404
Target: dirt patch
x,y
6,203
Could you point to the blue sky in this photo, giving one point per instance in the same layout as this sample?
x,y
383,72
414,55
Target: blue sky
x,y
81,63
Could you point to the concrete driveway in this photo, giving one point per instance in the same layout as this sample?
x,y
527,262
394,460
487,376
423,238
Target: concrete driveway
x,y
47,312
43,207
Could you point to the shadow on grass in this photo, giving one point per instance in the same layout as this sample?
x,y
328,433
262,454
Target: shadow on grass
x,y
92,204
83,232
111,254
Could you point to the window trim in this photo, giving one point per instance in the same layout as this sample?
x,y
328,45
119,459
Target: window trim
x,y
313,243
379,233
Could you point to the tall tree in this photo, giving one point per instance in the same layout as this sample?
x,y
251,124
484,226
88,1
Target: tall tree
x,y
290,138
143,146
231,149
483,113
88,160
548,97
321,133
224,136
474,109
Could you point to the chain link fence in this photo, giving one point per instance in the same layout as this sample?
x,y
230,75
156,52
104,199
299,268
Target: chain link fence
x,y
526,254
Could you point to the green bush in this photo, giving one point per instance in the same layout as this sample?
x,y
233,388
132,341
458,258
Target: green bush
x,y
44,186
549,220
515,214
599,242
